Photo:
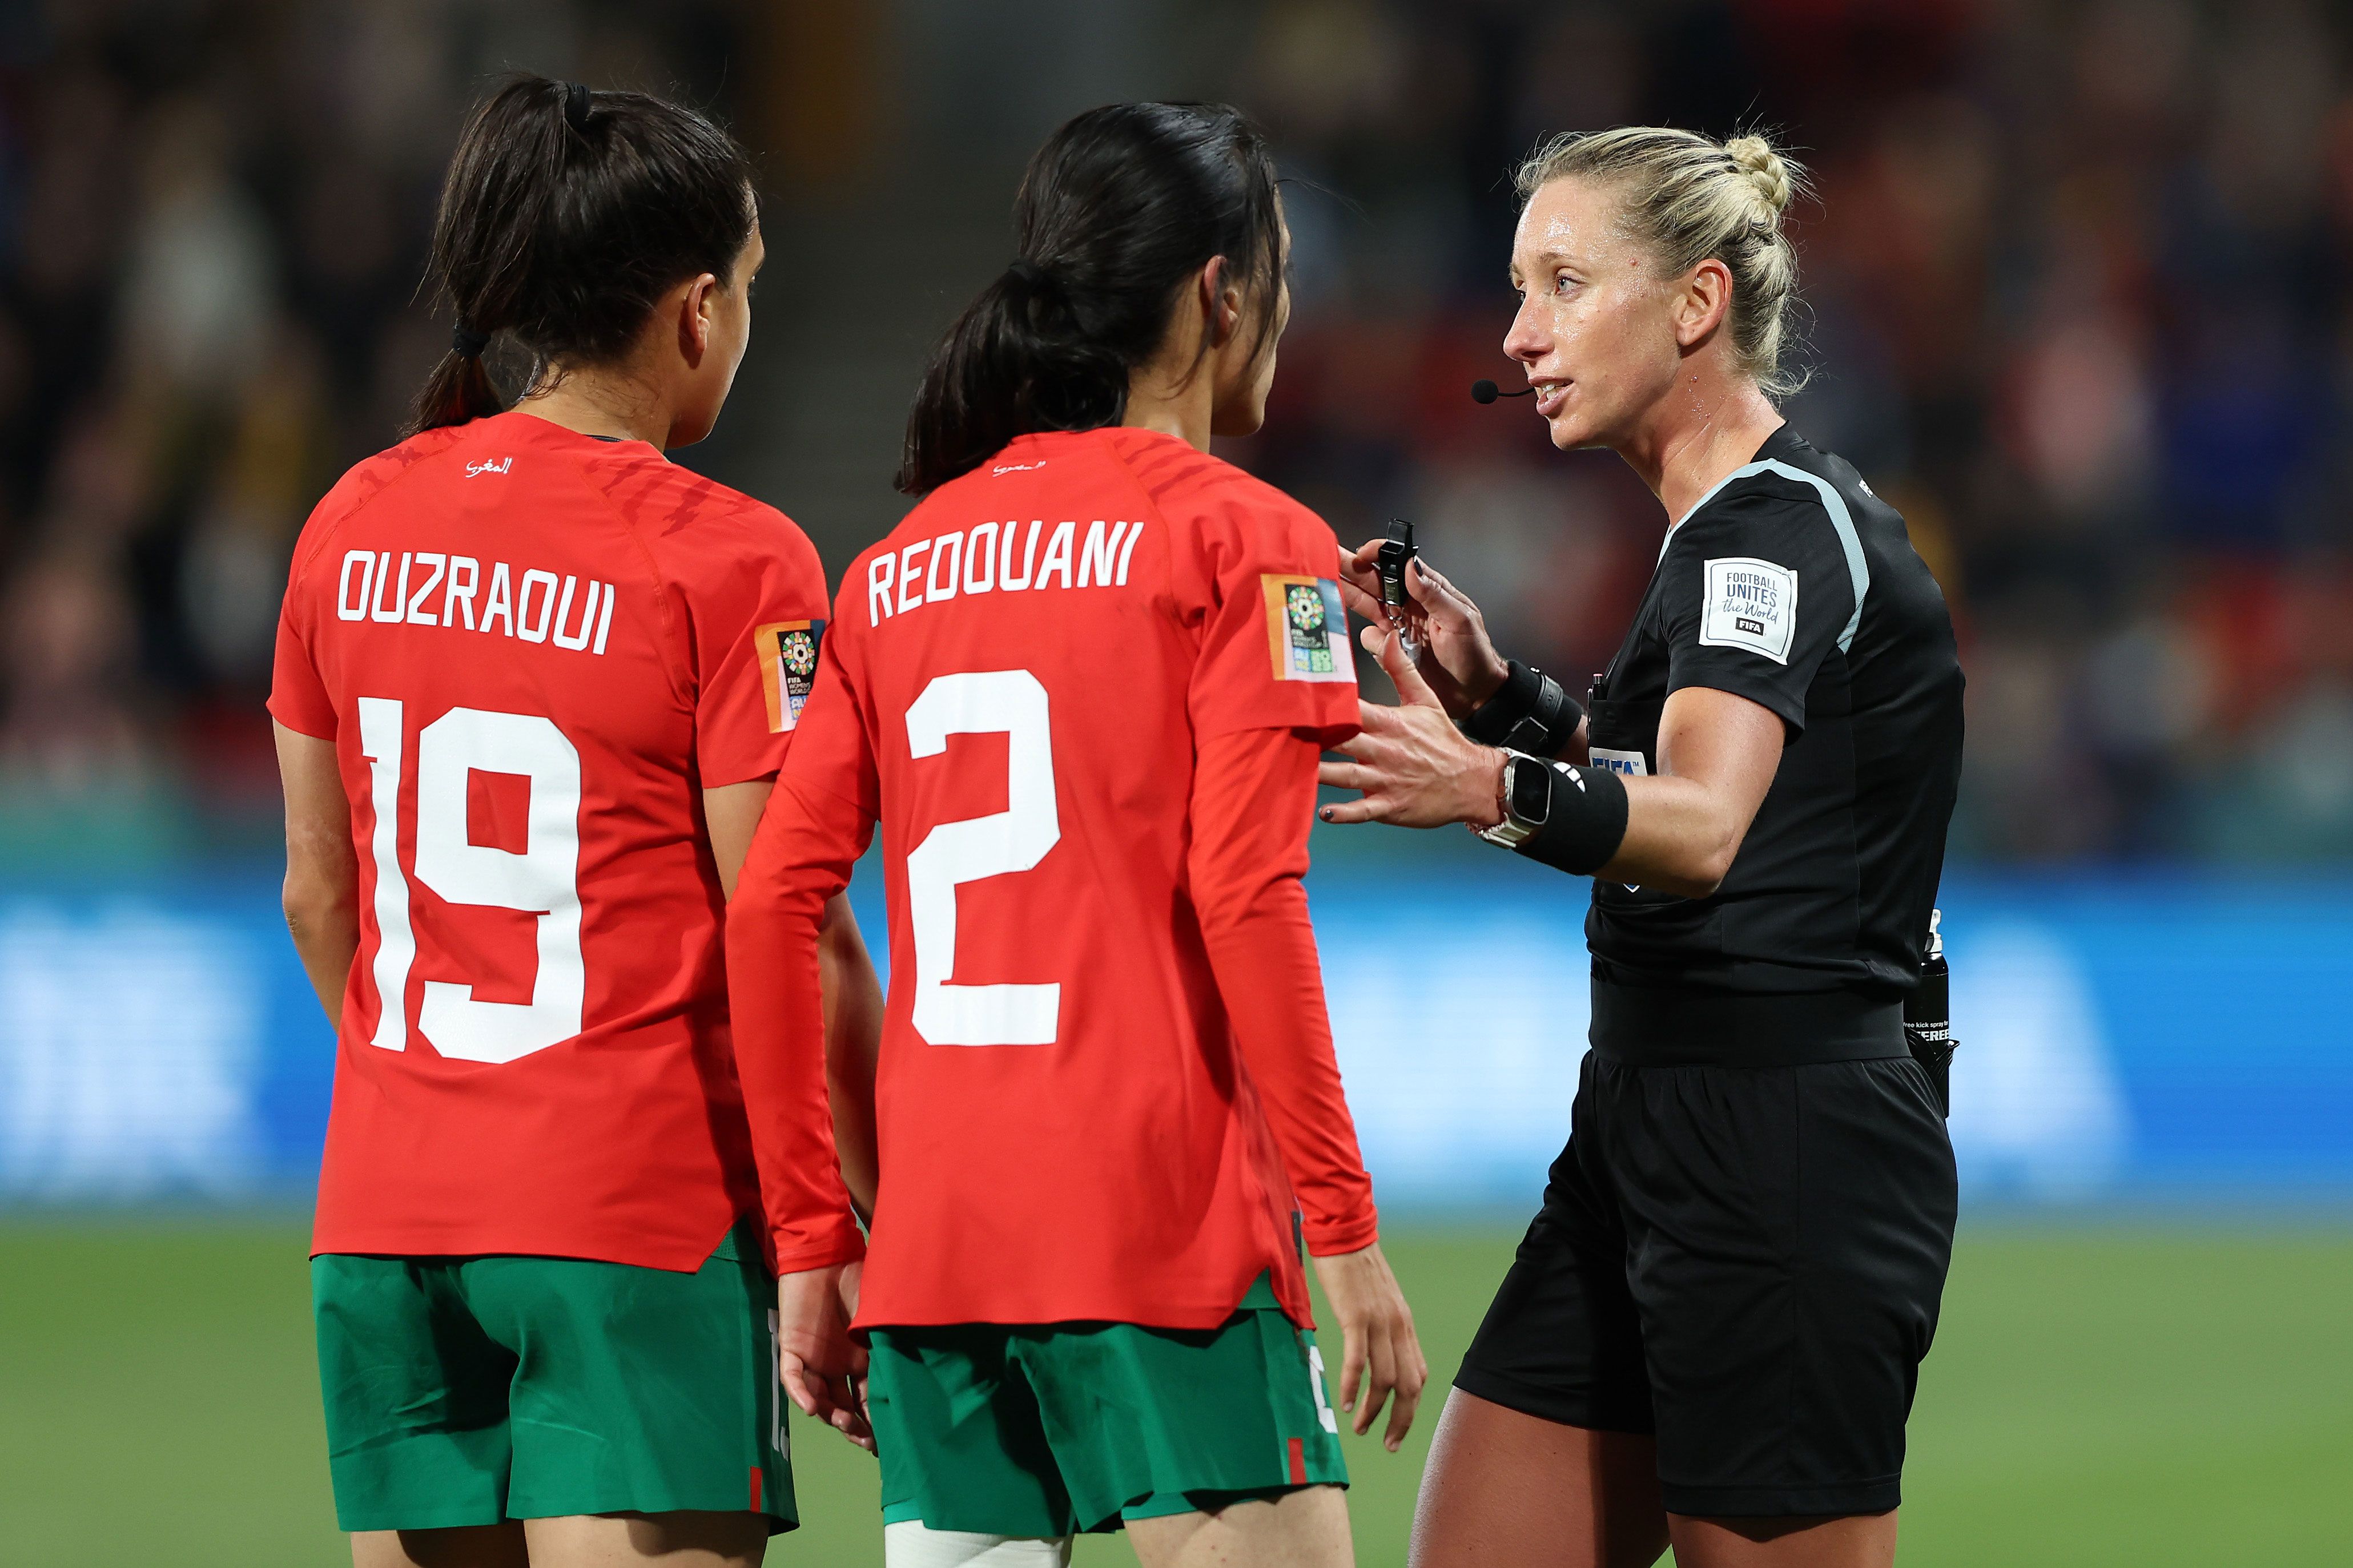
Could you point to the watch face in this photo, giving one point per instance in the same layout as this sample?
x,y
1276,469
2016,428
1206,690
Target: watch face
x,y
1531,791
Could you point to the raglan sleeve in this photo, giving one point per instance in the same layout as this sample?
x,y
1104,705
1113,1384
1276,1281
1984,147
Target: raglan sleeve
x,y
759,629
1758,590
818,820
297,693
1274,651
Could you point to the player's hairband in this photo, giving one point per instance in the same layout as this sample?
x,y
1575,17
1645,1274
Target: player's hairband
x,y
576,105
1029,273
468,344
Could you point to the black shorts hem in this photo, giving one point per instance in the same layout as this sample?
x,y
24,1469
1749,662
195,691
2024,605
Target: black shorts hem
x,y
1840,1501
1547,1405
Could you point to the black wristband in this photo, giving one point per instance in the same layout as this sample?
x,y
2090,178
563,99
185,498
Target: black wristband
x,y
1587,821
1530,712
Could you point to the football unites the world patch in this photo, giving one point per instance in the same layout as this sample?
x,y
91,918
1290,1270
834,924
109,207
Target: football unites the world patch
x,y
1750,603
787,651
1306,629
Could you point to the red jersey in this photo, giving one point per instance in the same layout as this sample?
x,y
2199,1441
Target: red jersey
x,y
533,649
1082,690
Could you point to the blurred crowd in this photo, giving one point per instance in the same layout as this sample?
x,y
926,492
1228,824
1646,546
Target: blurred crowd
x,y
211,226
2076,288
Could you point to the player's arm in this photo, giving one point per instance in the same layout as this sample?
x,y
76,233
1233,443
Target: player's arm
x,y
812,830
853,995
732,816
800,863
321,892
747,731
854,1050
1253,798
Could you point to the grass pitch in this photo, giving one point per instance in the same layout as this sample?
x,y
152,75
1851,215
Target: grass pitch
x,y
2097,1395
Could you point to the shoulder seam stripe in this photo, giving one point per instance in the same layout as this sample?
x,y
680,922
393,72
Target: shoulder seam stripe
x,y
1180,486
1184,483
1182,461
1155,461
1858,571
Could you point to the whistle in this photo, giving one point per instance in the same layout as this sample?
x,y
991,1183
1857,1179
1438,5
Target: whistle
x,y
1397,554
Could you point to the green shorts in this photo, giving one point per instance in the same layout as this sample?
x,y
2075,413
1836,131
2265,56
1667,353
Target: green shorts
x,y
475,1390
1049,1429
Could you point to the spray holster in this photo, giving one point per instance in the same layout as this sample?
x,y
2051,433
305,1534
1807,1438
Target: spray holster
x,y
1928,1017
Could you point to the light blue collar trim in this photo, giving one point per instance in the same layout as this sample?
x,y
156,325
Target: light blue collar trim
x,y
1858,571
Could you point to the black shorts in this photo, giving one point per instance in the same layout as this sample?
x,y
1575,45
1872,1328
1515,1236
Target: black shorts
x,y
1744,1260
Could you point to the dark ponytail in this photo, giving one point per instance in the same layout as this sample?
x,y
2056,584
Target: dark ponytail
x,y
564,216
1118,209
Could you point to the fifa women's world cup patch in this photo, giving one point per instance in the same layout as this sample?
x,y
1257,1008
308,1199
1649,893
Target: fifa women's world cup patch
x,y
788,652
1306,628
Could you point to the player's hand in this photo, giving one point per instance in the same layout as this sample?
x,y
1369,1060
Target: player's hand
x,y
1379,1348
1414,768
1459,663
823,1369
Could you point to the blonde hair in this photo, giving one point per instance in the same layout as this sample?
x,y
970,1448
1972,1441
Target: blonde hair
x,y
1690,198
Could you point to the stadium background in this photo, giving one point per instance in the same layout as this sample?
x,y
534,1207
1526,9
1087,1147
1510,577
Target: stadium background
x,y
2078,295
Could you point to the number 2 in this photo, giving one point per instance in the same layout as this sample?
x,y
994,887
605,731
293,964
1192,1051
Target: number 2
x,y
543,880
1012,703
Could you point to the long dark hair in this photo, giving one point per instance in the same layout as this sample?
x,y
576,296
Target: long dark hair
x,y
1118,209
565,214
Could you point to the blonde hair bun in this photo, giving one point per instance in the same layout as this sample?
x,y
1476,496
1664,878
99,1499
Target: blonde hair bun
x,y
1689,197
1766,170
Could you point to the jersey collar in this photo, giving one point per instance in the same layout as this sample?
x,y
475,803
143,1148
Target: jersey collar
x,y
1780,444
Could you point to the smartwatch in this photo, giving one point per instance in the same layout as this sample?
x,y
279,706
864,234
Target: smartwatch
x,y
1526,800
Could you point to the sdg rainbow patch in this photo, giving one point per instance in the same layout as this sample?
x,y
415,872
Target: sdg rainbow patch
x,y
1306,629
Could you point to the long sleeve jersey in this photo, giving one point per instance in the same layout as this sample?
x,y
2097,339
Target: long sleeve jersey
x,y
1080,691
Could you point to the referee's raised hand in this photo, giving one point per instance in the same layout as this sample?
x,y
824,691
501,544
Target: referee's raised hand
x,y
1413,767
1459,662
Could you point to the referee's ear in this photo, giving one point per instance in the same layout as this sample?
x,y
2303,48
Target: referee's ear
x,y
1704,303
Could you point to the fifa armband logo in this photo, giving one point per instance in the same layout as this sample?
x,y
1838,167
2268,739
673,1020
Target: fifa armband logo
x,y
787,654
1307,630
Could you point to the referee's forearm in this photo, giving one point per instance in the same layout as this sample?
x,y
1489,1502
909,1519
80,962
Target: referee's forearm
x,y
1717,755
1681,837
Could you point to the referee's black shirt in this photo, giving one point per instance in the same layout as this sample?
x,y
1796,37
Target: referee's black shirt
x,y
1792,585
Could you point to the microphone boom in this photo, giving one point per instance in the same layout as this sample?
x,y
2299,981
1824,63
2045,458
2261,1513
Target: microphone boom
x,y
1485,391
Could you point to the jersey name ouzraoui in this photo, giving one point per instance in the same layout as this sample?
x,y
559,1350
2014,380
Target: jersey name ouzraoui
x,y
437,588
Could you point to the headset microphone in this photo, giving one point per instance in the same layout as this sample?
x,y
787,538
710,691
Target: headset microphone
x,y
1486,392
